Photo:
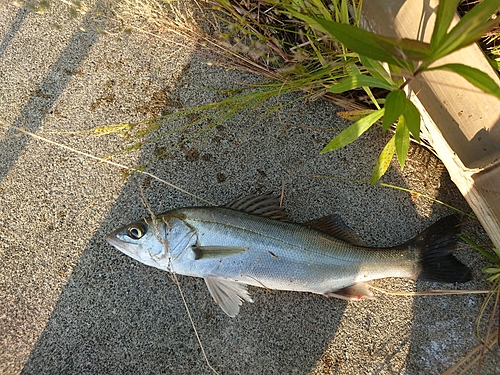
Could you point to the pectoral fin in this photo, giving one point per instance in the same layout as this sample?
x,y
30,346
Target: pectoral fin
x,y
353,292
204,252
228,294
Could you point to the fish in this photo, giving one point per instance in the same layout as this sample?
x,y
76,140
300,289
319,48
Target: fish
x,y
251,241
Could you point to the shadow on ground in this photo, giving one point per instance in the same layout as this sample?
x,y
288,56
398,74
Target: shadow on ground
x,y
115,315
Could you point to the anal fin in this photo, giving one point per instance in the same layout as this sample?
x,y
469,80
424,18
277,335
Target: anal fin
x,y
228,294
353,292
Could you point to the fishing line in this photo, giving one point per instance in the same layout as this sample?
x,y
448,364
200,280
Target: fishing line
x,y
174,277
440,292
132,169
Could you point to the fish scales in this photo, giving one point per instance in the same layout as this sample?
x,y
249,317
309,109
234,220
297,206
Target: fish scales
x,y
304,259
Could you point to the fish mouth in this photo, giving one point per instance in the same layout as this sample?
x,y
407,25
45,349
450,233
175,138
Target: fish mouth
x,y
114,240
111,239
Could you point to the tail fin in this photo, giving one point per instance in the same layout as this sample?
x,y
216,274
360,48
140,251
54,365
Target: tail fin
x,y
435,261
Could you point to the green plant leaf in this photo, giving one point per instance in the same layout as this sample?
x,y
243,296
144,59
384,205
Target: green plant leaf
x,y
394,105
475,76
471,28
493,277
412,119
353,132
445,13
402,141
491,270
367,89
377,70
358,80
383,161
391,50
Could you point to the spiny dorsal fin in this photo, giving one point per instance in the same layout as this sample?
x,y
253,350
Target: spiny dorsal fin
x,y
334,226
266,205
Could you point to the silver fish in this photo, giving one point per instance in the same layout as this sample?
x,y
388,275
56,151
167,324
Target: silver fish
x,y
251,242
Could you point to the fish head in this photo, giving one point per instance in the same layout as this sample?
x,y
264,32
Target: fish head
x,y
154,242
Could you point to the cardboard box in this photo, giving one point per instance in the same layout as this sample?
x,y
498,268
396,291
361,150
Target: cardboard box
x,y
461,122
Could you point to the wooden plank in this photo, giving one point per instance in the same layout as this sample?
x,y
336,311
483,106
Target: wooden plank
x,y
461,122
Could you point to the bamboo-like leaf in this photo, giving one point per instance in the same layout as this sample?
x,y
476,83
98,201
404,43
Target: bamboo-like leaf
x,y
445,13
391,50
354,68
353,132
394,105
491,270
412,119
402,141
358,80
376,69
383,161
475,76
493,277
471,28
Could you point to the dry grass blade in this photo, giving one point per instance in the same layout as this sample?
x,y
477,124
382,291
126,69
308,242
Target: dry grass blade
x,y
435,292
121,166
473,357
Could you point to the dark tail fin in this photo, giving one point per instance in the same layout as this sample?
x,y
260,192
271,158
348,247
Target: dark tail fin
x,y
433,246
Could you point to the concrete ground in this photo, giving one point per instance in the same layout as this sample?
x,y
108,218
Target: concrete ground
x,y
72,304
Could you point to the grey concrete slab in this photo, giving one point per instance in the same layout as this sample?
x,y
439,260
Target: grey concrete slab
x,y
70,303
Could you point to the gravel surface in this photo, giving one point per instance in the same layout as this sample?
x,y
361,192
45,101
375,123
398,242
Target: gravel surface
x,y
70,303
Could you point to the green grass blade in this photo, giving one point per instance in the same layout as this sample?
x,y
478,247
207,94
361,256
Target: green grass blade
x,y
376,70
475,76
363,42
419,194
356,81
470,29
366,88
412,119
445,13
383,161
402,141
344,11
353,132
483,251
394,105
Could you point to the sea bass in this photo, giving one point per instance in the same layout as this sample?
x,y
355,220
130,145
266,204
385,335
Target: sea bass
x,y
251,242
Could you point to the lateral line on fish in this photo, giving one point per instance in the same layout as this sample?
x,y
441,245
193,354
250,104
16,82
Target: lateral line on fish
x,y
429,292
279,240
132,169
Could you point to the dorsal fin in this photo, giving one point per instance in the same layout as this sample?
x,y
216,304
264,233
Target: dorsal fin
x,y
334,226
266,205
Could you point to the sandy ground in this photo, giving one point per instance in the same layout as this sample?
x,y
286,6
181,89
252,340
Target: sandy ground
x,y
70,303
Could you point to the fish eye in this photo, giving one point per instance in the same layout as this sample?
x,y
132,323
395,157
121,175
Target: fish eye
x,y
136,231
